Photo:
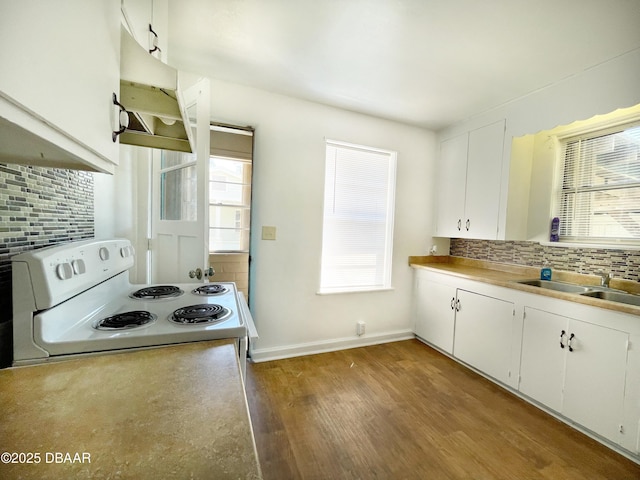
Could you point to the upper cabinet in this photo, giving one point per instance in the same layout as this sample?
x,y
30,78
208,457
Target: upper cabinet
x,y
468,183
60,69
147,21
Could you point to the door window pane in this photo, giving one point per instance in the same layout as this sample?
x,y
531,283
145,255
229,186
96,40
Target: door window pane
x,y
178,194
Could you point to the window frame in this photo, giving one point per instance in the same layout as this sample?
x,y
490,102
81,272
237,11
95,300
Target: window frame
x,y
325,287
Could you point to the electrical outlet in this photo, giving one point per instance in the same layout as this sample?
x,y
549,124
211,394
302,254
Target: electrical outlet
x,y
360,327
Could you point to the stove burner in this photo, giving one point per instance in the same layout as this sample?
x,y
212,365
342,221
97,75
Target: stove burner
x,y
201,313
126,320
210,289
157,291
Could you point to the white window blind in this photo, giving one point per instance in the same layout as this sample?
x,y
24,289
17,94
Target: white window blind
x,y
357,235
600,191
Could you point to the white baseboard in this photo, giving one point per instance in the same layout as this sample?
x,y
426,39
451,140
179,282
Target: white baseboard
x,y
300,349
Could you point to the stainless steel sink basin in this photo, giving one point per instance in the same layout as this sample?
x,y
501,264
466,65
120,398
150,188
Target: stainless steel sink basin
x,y
557,286
628,298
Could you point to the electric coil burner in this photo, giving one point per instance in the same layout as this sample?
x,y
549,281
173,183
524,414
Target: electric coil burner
x,y
126,320
199,314
210,289
157,291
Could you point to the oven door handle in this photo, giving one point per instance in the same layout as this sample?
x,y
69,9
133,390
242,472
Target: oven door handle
x,y
252,332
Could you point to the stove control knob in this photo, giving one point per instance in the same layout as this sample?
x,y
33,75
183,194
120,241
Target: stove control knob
x,y
104,253
64,271
126,251
79,267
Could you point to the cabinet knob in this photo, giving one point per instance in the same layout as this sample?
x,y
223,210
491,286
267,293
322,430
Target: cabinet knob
x,y
458,305
562,335
453,303
468,224
571,337
459,224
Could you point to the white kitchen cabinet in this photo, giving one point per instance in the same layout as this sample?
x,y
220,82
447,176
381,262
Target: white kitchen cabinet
x,y
139,14
575,368
468,183
451,185
60,68
475,328
435,312
483,333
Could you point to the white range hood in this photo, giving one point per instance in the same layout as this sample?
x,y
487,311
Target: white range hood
x,y
150,93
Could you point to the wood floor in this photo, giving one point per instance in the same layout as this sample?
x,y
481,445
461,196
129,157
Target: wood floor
x,y
404,411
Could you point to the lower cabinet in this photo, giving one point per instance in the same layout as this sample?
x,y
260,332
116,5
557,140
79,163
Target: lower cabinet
x,y
435,313
474,328
583,368
483,329
575,368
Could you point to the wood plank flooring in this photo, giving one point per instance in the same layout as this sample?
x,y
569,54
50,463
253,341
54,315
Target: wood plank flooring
x,y
404,411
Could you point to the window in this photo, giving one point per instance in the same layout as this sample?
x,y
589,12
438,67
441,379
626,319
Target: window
x,y
230,172
359,196
599,195
178,186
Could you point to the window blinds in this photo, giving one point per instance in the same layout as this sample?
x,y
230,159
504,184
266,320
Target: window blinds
x,y
600,192
358,218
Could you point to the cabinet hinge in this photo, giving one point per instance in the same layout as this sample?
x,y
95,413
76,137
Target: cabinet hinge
x,y
621,428
628,346
149,244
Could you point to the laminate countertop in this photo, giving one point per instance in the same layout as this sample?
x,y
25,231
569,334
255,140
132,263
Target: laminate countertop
x,y
174,412
508,275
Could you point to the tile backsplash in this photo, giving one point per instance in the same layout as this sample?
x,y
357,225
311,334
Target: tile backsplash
x,y
38,207
620,263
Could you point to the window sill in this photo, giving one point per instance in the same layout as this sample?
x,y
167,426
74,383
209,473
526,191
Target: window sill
x,y
351,290
607,246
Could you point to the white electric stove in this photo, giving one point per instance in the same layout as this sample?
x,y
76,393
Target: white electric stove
x,y
76,299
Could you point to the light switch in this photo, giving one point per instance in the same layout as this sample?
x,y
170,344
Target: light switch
x,y
268,233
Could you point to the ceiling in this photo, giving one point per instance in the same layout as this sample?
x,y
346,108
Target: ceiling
x,y
428,63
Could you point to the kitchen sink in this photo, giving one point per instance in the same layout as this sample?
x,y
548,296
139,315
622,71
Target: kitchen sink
x,y
620,297
557,286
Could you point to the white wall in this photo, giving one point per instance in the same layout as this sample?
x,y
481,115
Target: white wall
x,y
288,194
121,204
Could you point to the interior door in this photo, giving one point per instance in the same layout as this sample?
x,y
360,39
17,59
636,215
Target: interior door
x,y
180,196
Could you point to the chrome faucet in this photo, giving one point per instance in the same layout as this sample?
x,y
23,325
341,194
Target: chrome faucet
x,y
605,278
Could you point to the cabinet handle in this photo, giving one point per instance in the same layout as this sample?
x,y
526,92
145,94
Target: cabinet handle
x,y
123,118
569,342
468,224
459,224
458,305
453,303
562,334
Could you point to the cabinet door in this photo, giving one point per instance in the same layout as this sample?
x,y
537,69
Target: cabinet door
x,y
452,177
595,378
434,313
139,14
484,175
542,358
60,67
483,329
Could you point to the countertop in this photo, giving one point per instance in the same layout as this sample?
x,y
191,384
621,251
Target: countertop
x,y
174,412
507,275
